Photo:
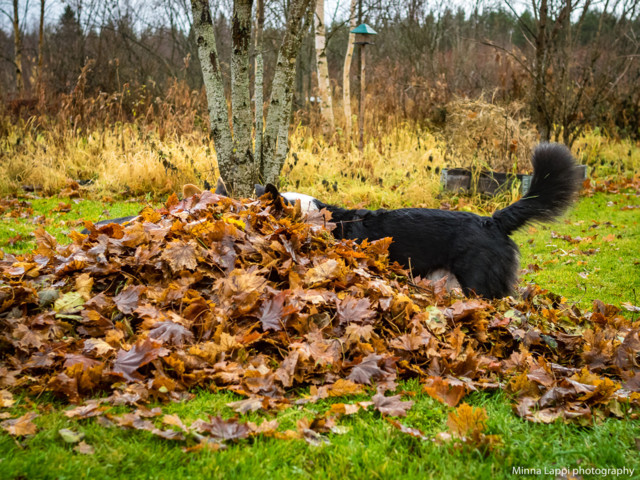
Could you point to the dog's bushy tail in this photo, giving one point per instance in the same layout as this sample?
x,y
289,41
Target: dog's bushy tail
x,y
555,184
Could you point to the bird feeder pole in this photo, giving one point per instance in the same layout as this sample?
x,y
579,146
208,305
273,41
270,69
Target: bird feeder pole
x,y
363,34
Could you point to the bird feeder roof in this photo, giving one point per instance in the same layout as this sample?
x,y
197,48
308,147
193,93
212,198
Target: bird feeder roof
x,y
364,29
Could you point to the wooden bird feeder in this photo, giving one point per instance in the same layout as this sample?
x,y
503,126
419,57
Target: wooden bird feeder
x,y
364,34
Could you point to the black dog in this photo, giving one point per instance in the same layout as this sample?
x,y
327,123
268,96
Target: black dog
x,y
476,250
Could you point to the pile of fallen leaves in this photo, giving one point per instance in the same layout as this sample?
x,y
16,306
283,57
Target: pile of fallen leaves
x,y
256,299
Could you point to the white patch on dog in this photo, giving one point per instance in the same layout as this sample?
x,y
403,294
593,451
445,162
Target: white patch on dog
x,y
307,203
451,282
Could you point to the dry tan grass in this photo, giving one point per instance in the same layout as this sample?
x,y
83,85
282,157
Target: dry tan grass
x,y
607,156
123,159
483,134
162,145
397,169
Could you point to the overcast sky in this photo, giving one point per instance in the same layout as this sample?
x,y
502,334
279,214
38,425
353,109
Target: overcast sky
x,y
335,10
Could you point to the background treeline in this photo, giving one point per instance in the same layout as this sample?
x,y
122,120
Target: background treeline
x,y
425,56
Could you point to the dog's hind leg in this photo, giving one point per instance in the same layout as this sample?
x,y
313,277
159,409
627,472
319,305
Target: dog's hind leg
x,y
487,277
451,282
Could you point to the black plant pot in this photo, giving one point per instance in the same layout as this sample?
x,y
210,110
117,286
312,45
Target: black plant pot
x,y
486,181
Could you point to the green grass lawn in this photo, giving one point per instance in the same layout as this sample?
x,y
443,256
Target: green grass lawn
x,y
600,260
16,224
367,446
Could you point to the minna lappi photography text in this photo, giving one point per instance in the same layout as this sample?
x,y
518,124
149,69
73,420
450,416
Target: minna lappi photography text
x,y
578,472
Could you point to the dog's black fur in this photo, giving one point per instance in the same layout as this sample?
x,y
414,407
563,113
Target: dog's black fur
x,y
476,250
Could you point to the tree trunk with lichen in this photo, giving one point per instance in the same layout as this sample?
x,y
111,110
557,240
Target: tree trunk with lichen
x,y
276,135
259,81
17,48
346,84
324,82
239,167
218,111
246,175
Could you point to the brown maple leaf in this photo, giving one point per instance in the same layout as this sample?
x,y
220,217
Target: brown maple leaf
x,y
6,399
171,333
222,429
367,370
181,255
633,383
84,448
323,352
127,300
242,289
205,199
21,426
356,333
467,420
27,337
71,359
344,387
354,310
273,312
250,404
392,406
462,309
175,421
409,341
347,408
627,354
98,347
46,242
443,391
149,312
65,385
85,411
322,273
260,381
133,420
168,434
267,427
287,368
145,412
128,362
414,432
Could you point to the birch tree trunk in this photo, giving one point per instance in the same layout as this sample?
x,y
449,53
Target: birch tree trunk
x,y
275,139
218,111
346,84
17,46
259,81
246,175
324,82
283,130
238,165
40,84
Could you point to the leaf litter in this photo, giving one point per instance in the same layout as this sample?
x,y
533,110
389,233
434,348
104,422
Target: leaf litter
x,y
254,298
